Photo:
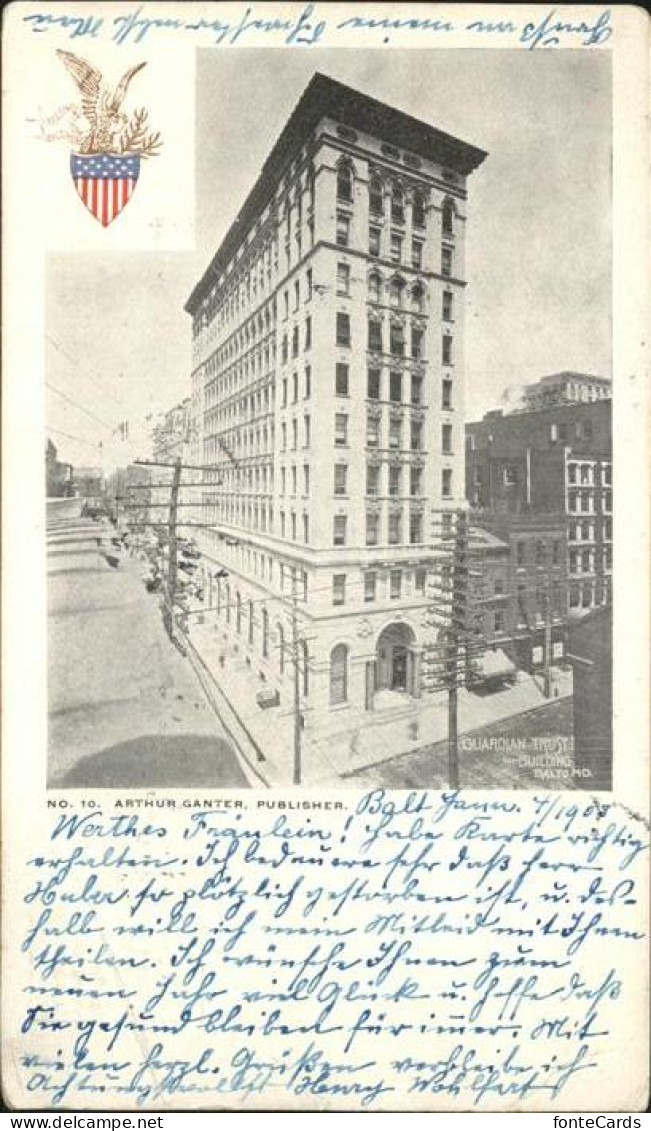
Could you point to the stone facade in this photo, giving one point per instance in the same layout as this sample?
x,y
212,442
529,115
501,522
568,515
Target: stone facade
x,y
328,349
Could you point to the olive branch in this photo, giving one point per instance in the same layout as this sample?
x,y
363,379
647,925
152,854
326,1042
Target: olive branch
x,y
137,138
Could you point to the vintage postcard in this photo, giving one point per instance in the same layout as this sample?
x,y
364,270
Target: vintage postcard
x,y
325,775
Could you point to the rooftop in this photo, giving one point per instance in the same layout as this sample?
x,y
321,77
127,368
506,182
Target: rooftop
x,y
325,97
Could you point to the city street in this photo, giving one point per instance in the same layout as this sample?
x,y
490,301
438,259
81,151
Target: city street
x,y
509,754
125,708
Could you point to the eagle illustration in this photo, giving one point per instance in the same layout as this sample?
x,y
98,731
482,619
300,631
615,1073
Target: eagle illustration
x,y
99,125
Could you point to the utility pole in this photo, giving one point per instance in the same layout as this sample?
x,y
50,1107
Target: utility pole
x,y
450,658
172,565
297,683
459,619
548,640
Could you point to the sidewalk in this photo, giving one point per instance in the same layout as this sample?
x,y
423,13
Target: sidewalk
x,y
328,755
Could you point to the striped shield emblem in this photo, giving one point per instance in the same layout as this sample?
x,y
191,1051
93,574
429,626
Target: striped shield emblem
x,y
105,182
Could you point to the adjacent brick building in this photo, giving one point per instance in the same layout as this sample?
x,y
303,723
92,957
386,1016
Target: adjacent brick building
x,y
552,461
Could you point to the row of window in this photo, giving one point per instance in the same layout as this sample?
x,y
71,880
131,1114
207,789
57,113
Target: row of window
x,y
585,474
397,338
583,502
390,246
373,432
583,561
395,588
397,200
295,341
585,531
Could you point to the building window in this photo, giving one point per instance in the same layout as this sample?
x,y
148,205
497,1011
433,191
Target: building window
x,y
283,432
418,210
370,579
375,335
397,205
446,439
448,217
541,552
341,476
293,527
306,528
395,475
447,306
420,577
416,435
446,349
339,674
372,479
265,633
306,478
417,254
345,182
417,298
395,528
498,587
376,197
374,238
416,343
415,528
395,584
306,430
343,329
308,382
395,248
395,387
308,333
553,433
294,434
339,530
341,379
343,279
295,386
341,430
520,552
446,483
374,287
372,432
295,342
498,621
396,288
372,528
446,261
397,339
395,432
308,279
373,379
415,480
339,589
416,389
343,230
446,394
284,397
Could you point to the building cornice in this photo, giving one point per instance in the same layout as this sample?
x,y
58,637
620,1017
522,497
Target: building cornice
x,y
326,98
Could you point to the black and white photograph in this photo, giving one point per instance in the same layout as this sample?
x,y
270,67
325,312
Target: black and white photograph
x,y
325,561
329,502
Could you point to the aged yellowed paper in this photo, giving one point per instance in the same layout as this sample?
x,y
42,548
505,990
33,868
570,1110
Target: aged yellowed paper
x,y
325,775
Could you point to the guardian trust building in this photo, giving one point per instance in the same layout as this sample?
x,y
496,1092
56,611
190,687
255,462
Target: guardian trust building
x,y
328,396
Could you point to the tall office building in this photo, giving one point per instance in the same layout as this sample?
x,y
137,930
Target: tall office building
x,y
328,356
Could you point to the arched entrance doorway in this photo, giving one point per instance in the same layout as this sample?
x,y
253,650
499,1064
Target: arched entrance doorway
x,y
396,660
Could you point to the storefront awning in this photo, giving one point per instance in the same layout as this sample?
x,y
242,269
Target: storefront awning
x,y
494,664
